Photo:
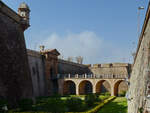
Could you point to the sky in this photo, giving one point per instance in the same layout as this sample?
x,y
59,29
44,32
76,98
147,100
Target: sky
x,y
101,31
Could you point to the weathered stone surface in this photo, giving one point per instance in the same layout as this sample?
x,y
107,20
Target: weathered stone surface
x,y
114,86
66,67
15,80
106,65
139,82
120,64
96,65
51,64
120,69
37,69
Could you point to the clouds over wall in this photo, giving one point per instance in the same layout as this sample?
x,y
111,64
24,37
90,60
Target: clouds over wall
x,y
92,47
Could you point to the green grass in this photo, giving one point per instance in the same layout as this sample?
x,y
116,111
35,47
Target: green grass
x,y
119,105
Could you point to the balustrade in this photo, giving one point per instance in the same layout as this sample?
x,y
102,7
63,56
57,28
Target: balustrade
x,y
90,76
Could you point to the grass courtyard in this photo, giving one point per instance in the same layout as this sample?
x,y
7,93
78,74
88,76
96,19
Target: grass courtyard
x,y
61,104
118,105
73,103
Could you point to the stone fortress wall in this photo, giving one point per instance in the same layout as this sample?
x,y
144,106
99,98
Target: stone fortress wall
x,y
15,80
122,70
111,69
28,73
139,89
39,75
66,67
106,76
37,70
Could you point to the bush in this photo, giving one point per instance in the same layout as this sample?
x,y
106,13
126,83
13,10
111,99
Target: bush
x,y
95,109
40,100
25,104
90,99
56,95
75,104
3,103
54,105
122,94
107,93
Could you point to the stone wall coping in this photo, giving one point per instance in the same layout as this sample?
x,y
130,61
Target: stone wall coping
x,y
88,65
143,31
110,65
51,51
33,53
9,12
120,64
71,63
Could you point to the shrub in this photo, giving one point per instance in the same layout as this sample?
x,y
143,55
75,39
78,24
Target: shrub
x,y
122,94
40,100
90,99
75,104
25,104
107,93
95,109
56,95
3,103
54,105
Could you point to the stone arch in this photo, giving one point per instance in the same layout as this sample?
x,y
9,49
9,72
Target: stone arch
x,y
85,87
103,86
69,87
120,86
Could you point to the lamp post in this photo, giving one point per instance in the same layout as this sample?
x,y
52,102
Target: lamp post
x,y
139,9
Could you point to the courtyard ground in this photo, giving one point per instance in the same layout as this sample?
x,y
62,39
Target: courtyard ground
x,y
57,103
119,105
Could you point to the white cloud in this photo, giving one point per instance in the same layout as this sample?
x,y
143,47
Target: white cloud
x,y
87,44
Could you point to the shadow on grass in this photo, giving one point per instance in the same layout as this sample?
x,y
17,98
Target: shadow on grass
x,y
119,105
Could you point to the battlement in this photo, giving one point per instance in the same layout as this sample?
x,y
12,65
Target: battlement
x,y
23,22
88,65
33,53
72,63
9,12
109,65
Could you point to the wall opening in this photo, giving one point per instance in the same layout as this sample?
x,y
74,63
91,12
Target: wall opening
x,y
120,88
85,87
69,88
103,86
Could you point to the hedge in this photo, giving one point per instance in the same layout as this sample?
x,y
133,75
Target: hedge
x,y
94,110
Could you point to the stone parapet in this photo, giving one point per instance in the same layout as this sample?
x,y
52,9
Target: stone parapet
x,y
88,65
71,63
106,65
120,64
33,53
9,12
96,65
110,65
111,69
